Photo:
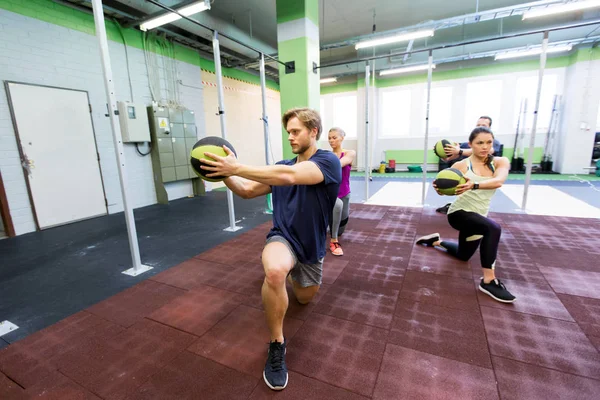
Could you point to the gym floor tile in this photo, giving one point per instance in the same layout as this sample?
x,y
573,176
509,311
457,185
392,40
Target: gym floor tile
x,y
436,261
531,299
354,235
198,310
375,272
595,341
245,279
333,267
133,304
301,387
233,253
338,352
368,305
55,340
58,387
367,212
23,367
241,340
114,368
191,273
574,282
439,290
411,374
586,312
441,331
192,377
518,381
9,389
544,342
575,259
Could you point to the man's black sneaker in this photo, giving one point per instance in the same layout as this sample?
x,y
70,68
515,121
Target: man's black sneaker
x,y
275,373
496,290
429,240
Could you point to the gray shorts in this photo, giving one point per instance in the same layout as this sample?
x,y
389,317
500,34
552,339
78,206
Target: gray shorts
x,y
305,274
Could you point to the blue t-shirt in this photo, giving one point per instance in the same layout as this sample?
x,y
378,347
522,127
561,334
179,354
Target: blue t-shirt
x,y
301,213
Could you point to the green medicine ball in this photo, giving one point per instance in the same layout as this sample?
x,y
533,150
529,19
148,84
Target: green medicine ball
x,y
448,179
438,149
209,144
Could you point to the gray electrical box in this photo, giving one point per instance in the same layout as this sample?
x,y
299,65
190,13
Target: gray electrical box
x,y
174,134
133,119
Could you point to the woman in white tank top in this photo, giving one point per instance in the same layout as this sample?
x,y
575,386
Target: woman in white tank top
x,y
468,213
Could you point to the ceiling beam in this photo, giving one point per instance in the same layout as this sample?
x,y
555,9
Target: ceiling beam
x,y
451,22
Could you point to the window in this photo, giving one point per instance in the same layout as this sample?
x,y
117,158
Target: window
x,y
483,98
395,113
344,109
440,109
527,89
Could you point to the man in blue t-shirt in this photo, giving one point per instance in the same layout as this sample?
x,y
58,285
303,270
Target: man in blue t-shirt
x,y
304,191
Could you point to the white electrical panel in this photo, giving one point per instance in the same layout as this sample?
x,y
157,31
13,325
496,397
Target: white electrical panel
x,y
134,122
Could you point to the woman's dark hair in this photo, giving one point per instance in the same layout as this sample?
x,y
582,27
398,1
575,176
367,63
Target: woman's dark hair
x,y
474,133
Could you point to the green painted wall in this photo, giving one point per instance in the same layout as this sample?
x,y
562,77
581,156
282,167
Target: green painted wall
x,y
416,156
58,14
289,10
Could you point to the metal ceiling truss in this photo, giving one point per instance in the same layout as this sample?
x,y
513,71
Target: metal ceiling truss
x,y
129,16
466,19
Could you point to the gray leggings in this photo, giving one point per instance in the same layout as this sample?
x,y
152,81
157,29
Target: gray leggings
x,y
340,216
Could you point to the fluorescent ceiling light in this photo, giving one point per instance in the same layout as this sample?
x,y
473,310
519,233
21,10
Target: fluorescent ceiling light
x,y
561,9
423,67
328,80
532,52
170,17
394,39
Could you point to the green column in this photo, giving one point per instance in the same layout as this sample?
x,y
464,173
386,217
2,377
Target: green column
x,y
298,40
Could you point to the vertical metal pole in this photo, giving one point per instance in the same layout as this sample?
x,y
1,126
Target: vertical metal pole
x,y
265,119
535,118
367,167
217,53
109,86
429,76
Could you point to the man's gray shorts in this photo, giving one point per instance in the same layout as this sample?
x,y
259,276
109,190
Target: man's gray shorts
x,y
305,274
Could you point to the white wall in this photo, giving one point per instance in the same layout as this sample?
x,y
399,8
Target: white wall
x,y
578,125
37,52
504,121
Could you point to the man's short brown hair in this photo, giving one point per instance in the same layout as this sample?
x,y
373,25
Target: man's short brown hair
x,y
309,118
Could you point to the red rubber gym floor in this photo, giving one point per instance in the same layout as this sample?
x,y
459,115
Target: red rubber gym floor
x,y
392,321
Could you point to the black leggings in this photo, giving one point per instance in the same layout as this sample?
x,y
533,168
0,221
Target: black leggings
x,y
469,224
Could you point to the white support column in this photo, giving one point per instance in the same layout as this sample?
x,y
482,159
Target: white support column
x,y
367,166
216,51
138,267
429,76
535,119
265,119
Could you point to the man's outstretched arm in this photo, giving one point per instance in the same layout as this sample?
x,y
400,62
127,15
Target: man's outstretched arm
x,y
303,173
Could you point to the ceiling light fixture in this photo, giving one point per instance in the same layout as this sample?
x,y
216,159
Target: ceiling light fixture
x,y
328,80
170,17
561,9
532,52
405,37
423,67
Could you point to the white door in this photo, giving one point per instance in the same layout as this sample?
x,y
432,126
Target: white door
x,y
57,138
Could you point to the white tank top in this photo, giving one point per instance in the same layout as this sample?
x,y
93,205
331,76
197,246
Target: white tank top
x,y
477,201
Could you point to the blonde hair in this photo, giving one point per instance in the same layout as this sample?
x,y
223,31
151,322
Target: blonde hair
x,y
309,118
338,130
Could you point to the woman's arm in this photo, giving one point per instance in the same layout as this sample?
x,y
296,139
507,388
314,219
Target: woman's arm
x,y
348,158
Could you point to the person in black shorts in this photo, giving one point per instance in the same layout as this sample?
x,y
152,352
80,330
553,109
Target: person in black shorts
x,y
304,190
